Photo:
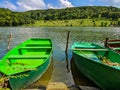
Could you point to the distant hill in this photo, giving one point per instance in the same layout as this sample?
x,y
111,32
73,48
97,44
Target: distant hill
x,y
10,18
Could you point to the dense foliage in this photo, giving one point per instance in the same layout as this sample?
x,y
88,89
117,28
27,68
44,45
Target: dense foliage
x,y
10,18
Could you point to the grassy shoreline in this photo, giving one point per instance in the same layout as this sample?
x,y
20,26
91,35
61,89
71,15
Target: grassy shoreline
x,y
76,22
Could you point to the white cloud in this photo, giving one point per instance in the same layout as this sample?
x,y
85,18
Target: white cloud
x,y
65,3
116,2
62,4
7,4
111,2
51,6
24,5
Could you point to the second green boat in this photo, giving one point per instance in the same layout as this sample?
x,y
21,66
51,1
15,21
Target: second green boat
x,y
101,65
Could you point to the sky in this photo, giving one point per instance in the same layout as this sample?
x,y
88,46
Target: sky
x,y
25,5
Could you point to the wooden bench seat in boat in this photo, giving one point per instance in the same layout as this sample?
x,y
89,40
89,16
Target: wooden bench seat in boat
x,y
48,47
33,48
27,57
118,48
91,49
116,42
38,44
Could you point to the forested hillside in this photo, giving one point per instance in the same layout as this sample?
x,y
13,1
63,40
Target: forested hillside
x,y
10,18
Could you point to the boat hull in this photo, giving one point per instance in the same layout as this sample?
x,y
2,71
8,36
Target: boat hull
x,y
100,75
104,76
22,80
27,62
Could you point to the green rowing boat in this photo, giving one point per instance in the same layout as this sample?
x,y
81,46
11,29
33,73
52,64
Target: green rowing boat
x,y
101,65
27,62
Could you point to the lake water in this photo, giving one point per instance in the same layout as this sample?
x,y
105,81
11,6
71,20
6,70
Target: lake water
x,y
58,35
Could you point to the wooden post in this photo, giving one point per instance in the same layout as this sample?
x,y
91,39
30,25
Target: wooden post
x,y
10,38
66,51
106,41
